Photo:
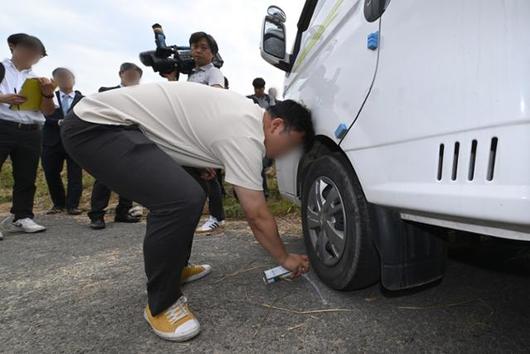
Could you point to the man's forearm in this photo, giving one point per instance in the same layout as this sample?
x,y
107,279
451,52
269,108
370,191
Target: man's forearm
x,y
266,232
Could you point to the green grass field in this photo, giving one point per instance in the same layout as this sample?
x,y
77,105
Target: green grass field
x,y
278,205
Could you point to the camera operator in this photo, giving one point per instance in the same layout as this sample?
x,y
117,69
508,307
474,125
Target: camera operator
x,y
203,50
130,75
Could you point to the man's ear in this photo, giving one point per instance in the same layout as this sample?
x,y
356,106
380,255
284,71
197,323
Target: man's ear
x,y
277,124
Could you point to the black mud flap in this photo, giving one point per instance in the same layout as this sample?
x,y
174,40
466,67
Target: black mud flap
x,y
412,254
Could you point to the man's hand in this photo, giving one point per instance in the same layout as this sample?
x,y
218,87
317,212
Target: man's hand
x,y
265,230
172,76
47,86
12,99
208,174
298,264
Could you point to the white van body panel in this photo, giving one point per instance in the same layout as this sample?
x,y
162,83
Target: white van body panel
x,y
449,72
336,36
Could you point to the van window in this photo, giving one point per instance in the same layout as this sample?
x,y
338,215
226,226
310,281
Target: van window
x,y
373,9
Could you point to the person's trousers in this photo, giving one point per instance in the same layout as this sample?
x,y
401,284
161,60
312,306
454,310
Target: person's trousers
x,y
132,165
99,201
215,199
266,164
53,160
23,146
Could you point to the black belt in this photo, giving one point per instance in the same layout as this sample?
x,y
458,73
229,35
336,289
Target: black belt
x,y
7,123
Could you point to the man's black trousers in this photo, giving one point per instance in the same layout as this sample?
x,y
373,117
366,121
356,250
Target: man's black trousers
x,y
22,144
53,159
133,166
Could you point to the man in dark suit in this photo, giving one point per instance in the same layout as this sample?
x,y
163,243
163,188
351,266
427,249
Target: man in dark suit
x,y
53,153
130,75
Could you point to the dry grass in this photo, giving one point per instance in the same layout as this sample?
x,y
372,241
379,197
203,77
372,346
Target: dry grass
x,y
279,206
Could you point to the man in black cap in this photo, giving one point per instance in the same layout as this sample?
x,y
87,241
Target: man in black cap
x,y
20,127
130,75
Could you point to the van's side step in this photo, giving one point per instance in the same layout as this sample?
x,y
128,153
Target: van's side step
x,y
412,254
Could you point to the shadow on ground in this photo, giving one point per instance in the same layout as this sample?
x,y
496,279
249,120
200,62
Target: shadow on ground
x,y
72,289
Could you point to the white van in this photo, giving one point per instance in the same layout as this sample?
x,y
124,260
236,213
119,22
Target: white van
x,y
422,115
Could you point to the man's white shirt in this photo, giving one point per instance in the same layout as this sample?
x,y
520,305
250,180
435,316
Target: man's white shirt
x,y
12,83
207,75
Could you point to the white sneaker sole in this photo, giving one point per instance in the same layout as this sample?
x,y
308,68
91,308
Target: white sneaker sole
x,y
206,231
19,228
198,276
171,336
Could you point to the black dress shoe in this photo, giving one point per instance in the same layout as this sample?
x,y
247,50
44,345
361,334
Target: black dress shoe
x,y
74,211
55,210
126,218
97,224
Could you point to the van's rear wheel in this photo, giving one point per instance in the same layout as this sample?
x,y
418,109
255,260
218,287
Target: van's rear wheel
x,y
336,225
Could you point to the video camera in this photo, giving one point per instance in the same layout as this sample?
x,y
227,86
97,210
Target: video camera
x,y
166,59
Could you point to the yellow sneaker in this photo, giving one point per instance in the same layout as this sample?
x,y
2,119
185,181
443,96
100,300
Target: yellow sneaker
x,y
176,324
193,272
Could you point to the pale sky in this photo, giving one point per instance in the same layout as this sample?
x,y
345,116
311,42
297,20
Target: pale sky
x,y
93,38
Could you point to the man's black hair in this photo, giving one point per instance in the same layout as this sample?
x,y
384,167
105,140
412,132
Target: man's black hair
x,y
61,70
26,40
130,66
197,36
258,82
295,117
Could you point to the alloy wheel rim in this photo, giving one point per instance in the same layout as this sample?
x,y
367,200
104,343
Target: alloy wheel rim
x,y
326,220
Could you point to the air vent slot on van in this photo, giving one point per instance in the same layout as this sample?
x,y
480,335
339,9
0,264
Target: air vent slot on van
x,y
492,157
440,162
456,152
472,160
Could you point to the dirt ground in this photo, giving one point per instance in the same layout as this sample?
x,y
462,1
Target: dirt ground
x,y
73,290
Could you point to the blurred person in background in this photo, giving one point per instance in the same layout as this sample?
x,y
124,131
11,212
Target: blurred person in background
x,y
273,94
264,101
53,154
260,97
130,75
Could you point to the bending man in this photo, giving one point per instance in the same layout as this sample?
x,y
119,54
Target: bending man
x,y
135,141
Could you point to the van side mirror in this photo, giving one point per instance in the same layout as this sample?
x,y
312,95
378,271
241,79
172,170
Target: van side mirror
x,y
273,48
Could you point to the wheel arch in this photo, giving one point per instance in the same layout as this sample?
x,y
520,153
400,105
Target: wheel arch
x,y
323,145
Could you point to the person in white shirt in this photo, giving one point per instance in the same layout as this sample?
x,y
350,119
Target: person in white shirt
x,y
203,50
21,130
136,140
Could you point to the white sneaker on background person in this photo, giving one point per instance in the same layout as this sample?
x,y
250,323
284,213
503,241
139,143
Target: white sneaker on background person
x,y
210,225
28,225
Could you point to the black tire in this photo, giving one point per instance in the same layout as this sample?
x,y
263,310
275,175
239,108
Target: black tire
x,y
357,266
